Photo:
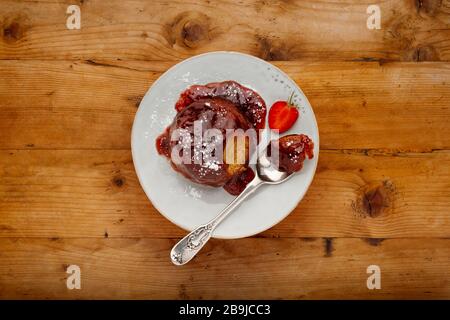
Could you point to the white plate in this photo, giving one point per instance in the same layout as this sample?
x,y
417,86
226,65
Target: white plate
x,y
187,204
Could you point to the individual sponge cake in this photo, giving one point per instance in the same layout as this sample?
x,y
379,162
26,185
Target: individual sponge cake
x,y
222,106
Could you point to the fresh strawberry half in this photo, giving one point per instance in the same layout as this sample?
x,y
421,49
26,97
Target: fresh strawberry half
x,y
283,114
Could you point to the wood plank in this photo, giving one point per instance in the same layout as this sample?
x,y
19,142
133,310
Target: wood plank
x,y
272,30
95,193
91,105
59,102
237,269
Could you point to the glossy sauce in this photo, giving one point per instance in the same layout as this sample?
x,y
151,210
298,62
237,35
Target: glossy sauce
x,y
293,150
248,101
238,182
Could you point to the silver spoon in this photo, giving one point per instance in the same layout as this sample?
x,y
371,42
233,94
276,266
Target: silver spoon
x,y
190,245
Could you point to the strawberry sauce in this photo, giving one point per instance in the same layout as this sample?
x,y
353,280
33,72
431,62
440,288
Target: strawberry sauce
x,y
293,149
248,101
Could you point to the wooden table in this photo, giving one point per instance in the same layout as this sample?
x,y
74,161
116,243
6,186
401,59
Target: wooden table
x,y
69,194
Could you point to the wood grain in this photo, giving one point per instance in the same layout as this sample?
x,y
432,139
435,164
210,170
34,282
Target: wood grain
x,y
238,269
69,193
95,193
91,105
273,30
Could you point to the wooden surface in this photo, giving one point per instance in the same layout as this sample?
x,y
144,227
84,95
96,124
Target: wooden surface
x,y
69,193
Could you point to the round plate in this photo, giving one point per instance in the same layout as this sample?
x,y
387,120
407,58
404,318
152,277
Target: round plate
x,y
187,204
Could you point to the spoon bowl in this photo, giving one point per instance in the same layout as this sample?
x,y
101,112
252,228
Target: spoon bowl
x,y
268,172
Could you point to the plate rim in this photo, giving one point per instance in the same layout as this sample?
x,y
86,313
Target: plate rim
x,y
133,133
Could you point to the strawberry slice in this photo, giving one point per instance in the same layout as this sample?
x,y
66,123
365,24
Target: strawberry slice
x,y
283,114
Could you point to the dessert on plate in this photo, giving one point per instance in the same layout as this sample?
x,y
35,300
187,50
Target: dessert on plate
x,y
224,107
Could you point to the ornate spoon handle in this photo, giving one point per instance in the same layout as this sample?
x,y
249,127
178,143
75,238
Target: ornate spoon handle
x,y
191,244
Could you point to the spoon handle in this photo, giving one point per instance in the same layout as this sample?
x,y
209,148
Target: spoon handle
x,y
192,243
